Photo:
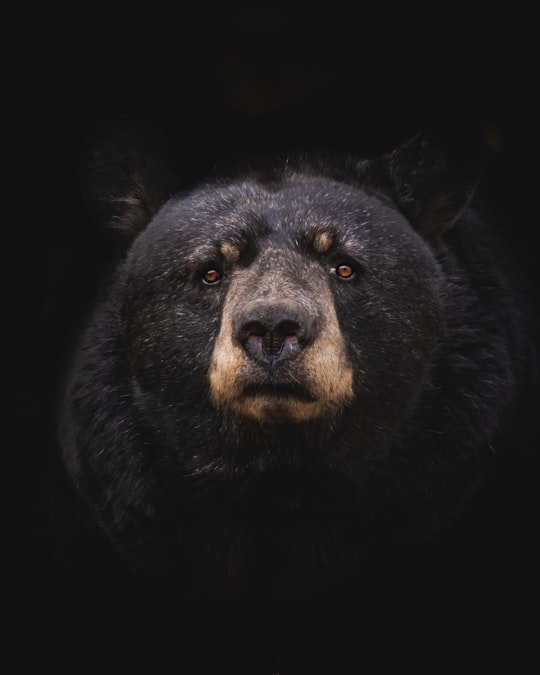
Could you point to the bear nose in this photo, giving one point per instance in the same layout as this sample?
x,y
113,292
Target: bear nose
x,y
272,334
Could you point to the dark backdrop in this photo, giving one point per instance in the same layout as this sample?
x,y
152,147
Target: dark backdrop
x,y
225,82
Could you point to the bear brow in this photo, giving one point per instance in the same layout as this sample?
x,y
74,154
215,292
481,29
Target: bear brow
x,y
322,241
230,252
318,240
241,241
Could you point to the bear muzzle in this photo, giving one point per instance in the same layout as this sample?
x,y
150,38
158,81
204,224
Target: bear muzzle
x,y
280,355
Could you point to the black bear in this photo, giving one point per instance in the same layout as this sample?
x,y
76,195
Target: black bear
x,y
299,381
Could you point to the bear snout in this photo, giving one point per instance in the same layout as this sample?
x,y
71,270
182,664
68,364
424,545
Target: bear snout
x,y
280,354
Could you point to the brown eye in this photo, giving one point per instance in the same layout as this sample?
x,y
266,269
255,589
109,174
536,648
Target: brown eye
x,y
345,271
211,276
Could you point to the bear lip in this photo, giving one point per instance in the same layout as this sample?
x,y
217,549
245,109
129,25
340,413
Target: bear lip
x,y
279,391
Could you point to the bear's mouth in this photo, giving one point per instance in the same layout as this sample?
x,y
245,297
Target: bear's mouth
x,y
277,403
278,392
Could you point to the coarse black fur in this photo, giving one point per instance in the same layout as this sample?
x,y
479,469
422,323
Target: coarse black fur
x,y
181,491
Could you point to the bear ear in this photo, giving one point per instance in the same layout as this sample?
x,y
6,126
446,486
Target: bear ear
x,y
127,173
433,176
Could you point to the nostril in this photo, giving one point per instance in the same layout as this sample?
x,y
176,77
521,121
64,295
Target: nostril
x,y
253,331
287,329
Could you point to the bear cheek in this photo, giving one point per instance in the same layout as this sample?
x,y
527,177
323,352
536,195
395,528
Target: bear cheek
x,y
229,366
327,365
166,348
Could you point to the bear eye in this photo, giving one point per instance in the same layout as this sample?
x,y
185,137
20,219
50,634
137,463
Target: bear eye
x,y
344,271
211,276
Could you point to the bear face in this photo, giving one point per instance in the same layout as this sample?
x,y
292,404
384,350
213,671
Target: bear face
x,y
254,291
322,360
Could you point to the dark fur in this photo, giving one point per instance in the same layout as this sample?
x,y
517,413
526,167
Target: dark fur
x,y
225,508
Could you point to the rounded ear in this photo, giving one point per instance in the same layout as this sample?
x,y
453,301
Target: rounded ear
x,y
127,173
432,177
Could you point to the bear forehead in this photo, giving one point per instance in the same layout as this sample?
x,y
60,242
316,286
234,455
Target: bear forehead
x,y
317,210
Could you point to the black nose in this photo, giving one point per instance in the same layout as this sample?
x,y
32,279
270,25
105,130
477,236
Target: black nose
x,y
272,334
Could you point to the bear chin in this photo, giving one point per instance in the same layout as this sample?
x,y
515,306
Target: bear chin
x,y
280,408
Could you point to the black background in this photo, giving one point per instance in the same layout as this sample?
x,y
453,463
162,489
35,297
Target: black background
x,y
225,82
